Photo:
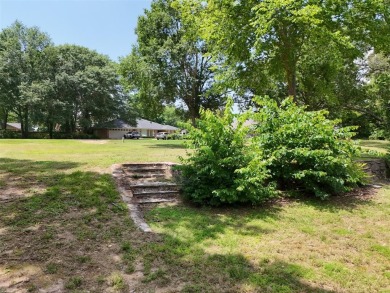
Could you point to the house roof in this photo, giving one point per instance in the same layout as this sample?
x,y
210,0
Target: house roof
x,y
15,125
141,124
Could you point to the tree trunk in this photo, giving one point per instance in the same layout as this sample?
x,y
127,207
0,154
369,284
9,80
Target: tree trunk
x,y
292,85
50,129
5,120
24,123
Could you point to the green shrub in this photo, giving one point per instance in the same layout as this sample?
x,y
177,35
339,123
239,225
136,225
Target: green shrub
x,y
10,134
305,150
224,168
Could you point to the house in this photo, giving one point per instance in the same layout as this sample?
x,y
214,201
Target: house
x,y
115,129
13,127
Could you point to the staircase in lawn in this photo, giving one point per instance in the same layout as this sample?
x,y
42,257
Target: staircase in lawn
x,y
145,183
150,182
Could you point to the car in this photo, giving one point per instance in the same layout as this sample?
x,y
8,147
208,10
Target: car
x,y
162,135
132,134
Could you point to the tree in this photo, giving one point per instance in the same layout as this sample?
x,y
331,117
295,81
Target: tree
x,y
137,77
378,91
21,63
68,86
87,85
172,116
170,63
267,43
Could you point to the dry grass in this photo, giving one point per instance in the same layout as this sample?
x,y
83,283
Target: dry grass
x,y
63,228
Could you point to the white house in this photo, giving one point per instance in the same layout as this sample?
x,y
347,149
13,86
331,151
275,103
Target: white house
x,y
115,129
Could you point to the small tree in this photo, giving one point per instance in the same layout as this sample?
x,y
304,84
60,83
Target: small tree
x,y
305,150
224,168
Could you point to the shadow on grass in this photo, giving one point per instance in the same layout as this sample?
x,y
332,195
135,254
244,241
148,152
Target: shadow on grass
x,y
24,167
208,223
350,201
79,222
233,273
65,228
168,146
205,271
203,243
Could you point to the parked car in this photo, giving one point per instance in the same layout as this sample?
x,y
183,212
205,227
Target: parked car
x,y
132,134
162,135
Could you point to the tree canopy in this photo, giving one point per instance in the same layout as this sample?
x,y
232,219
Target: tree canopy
x,y
69,87
169,64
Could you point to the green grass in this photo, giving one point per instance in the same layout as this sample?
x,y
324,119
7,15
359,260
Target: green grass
x,y
91,155
303,246
61,218
380,146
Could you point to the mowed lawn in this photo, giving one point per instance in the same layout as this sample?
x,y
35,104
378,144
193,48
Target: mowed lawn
x,y
63,228
380,146
92,154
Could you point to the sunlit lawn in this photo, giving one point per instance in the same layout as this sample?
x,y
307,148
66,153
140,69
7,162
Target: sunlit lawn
x,y
62,223
381,146
93,154
300,246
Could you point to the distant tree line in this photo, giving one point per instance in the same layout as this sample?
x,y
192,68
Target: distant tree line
x,y
331,55
67,88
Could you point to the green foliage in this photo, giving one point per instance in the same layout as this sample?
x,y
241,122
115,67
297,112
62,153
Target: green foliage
x,y
9,134
285,146
169,63
51,86
21,65
223,169
305,150
307,49
171,116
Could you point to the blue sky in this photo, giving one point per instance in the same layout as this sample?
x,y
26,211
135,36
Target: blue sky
x,y
106,26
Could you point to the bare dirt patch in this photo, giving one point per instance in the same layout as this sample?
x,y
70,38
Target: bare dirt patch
x,y
17,187
68,233
93,141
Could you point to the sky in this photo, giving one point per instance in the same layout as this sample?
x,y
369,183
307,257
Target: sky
x,y
106,26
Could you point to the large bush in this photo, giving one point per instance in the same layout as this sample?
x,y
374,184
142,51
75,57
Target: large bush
x,y
285,146
223,168
305,150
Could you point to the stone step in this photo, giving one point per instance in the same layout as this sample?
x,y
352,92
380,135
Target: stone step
x,y
153,183
145,170
134,176
151,171
144,166
154,200
154,194
136,189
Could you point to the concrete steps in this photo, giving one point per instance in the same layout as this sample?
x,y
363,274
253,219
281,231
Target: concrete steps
x,y
150,183
147,183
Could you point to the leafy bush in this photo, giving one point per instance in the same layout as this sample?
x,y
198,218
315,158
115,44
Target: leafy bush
x,y
378,134
305,150
286,146
224,168
10,134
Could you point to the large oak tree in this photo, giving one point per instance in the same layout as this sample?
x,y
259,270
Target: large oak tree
x,y
169,64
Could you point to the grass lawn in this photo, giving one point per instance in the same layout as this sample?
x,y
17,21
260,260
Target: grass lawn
x,y
63,228
92,155
380,146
